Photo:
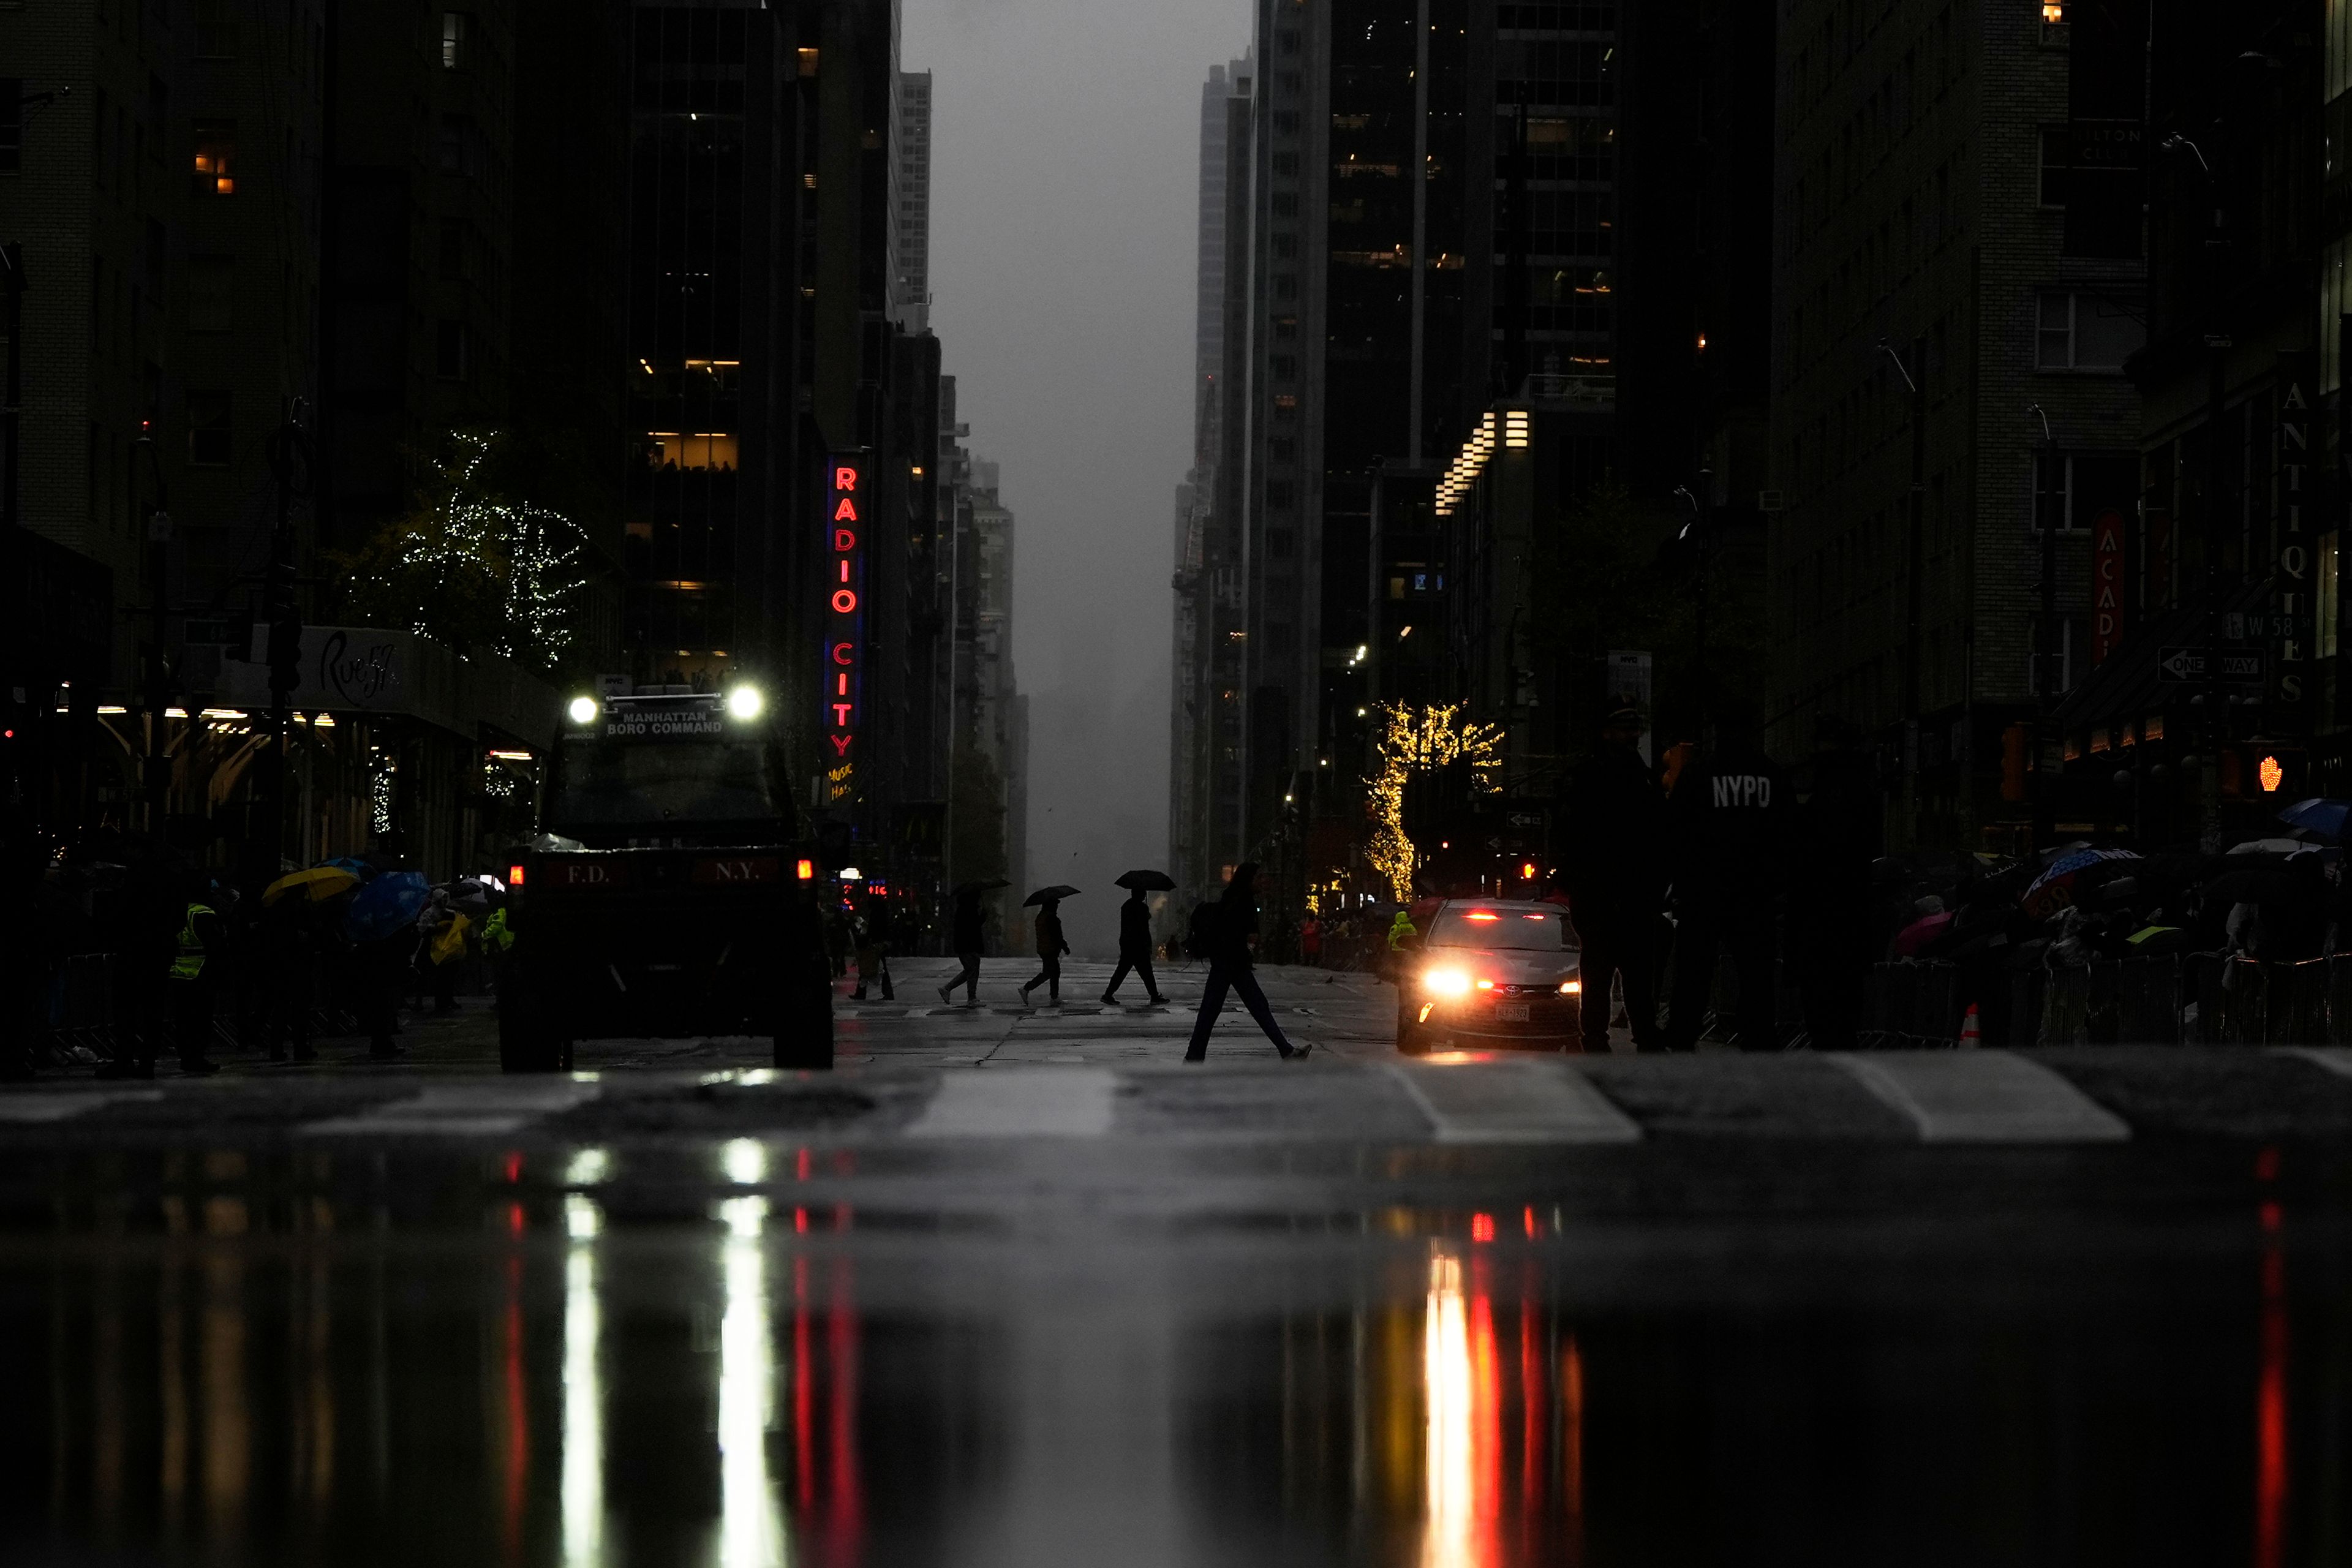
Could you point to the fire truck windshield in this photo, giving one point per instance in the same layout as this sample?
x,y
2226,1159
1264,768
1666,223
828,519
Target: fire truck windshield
x,y
603,783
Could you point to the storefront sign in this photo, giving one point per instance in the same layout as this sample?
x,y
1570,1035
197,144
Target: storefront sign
x,y
842,663
2107,584
2291,571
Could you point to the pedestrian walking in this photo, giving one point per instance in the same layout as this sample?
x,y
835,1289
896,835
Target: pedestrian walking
x,y
1134,949
966,937
1232,926
1050,948
1612,852
289,931
1729,819
873,958
193,980
1310,942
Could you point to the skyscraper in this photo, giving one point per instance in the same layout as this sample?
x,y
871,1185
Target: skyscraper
x,y
913,218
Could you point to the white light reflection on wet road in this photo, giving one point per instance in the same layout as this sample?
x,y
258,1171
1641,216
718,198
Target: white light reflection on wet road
x,y
1462,1438
751,1528
583,1390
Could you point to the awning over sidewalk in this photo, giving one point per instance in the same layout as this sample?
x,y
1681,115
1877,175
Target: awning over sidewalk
x,y
377,670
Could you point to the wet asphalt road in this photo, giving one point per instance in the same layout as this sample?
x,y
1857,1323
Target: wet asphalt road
x,y
1019,1288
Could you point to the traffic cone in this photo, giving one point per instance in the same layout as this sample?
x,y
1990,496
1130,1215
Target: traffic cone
x,y
1970,1036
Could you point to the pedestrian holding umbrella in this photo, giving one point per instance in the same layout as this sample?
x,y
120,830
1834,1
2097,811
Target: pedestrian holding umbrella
x,y
1233,923
1135,934
2323,817
316,885
381,925
1050,943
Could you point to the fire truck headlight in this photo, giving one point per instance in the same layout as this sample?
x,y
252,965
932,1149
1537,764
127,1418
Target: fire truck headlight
x,y
744,703
582,710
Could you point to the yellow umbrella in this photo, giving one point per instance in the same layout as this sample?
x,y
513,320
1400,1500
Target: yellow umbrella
x,y
318,884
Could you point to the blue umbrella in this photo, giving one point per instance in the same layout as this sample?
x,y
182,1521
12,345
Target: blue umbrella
x,y
386,906
2325,817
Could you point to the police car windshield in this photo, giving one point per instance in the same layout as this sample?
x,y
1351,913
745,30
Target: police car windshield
x,y
1527,930
620,784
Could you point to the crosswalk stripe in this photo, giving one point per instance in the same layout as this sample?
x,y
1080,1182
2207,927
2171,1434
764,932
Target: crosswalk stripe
x,y
61,1106
488,1106
2334,1058
1515,1102
1020,1103
1982,1097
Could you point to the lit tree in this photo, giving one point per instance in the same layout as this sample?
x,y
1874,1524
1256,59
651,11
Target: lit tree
x,y
1417,740
474,567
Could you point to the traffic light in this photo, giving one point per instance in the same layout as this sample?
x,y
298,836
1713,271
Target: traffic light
x,y
285,619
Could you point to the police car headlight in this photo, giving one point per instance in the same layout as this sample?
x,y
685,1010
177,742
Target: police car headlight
x,y
582,710
744,703
1446,983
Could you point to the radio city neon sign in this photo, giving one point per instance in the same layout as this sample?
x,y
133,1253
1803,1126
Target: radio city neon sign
x,y
844,664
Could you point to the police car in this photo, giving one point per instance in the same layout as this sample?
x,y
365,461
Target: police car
x,y
1492,972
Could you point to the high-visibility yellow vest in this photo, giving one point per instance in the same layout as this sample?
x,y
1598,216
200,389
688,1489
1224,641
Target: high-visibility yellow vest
x,y
190,963
496,935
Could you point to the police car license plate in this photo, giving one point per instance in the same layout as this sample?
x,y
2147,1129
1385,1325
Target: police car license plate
x,y
1510,1012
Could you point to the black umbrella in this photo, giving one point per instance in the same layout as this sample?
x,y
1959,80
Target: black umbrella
x,y
988,887
1044,895
1149,881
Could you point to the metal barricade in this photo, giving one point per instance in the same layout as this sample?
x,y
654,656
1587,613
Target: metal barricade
x,y
1909,1004
2145,1005
2065,1009
2296,1003
2339,1001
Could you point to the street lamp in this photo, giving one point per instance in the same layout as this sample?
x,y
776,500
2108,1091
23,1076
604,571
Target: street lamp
x,y
156,778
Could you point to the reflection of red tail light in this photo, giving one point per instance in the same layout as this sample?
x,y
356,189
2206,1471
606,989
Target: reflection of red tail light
x,y
1482,1227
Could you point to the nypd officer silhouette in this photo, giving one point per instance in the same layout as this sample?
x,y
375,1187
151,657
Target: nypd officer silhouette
x,y
1729,822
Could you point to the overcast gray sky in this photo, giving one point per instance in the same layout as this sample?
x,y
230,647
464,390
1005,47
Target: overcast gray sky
x,y
1064,174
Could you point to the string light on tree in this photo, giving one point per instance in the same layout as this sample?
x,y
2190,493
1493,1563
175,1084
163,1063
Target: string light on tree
x,y
1420,740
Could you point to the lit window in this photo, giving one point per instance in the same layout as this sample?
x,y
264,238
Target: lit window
x,y
453,40
691,449
216,157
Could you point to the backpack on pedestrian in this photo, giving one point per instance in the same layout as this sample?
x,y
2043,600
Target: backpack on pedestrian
x,y
1200,932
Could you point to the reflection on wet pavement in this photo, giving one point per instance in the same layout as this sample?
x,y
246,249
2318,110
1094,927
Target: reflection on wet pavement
x,y
214,1364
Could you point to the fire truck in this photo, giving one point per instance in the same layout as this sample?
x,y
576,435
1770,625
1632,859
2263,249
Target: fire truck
x,y
673,892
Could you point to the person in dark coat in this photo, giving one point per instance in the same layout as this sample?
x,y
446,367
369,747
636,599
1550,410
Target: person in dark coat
x,y
1831,939
1134,949
1050,948
1612,860
1729,821
1231,925
970,914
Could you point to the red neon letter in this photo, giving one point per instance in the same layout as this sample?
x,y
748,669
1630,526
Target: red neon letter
x,y
841,714
846,512
845,478
841,652
845,601
841,744
843,540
